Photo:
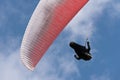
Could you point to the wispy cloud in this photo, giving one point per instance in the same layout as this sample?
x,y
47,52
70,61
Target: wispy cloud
x,y
100,77
9,67
51,67
83,24
115,10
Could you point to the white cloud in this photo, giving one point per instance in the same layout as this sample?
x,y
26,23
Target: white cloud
x,y
12,69
8,66
115,10
51,67
102,77
83,24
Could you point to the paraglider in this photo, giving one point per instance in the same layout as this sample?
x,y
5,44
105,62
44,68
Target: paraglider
x,y
82,52
48,20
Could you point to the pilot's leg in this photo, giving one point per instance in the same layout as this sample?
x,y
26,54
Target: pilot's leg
x,y
77,57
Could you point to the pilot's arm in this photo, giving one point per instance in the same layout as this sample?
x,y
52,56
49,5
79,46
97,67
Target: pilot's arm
x,y
77,57
88,45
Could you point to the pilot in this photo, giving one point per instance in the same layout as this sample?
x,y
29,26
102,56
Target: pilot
x,y
82,52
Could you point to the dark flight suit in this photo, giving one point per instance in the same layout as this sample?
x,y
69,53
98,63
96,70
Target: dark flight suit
x,y
81,51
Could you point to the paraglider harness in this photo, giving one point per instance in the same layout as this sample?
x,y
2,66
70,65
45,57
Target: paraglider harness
x,y
82,52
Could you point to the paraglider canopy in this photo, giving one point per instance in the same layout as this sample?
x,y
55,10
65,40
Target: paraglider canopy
x,y
48,20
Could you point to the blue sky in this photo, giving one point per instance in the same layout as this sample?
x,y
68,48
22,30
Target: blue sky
x,y
99,20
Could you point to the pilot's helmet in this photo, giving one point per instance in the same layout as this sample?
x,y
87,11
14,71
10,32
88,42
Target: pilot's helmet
x,y
72,44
